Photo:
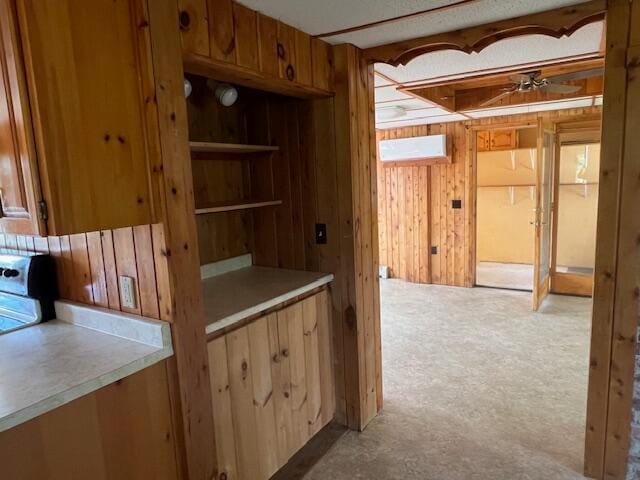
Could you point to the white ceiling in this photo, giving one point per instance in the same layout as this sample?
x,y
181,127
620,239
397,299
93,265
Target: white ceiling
x,y
322,16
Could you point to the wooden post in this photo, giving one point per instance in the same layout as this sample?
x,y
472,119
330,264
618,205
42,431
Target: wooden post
x,y
357,184
187,312
617,282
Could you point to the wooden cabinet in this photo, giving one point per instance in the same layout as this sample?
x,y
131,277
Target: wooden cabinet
x,y
19,186
251,49
483,141
273,388
121,431
496,140
90,85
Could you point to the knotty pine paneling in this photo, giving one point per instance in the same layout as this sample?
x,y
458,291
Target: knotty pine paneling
x,y
415,213
88,266
414,203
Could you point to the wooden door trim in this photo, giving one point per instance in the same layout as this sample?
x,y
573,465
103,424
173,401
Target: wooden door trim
x,y
572,284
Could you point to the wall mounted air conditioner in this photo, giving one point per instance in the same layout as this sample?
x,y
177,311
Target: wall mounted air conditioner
x,y
428,149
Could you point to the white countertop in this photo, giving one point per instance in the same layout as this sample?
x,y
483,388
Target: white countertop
x,y
48,365
235,295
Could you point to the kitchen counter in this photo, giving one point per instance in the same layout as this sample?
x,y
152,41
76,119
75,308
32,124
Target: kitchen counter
x,y
48,365
235,295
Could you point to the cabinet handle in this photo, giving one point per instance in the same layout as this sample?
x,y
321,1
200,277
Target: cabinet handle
x,y
291,73
280,50
185,20
1,205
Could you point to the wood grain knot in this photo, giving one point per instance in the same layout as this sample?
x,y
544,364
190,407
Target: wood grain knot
x,y
184,20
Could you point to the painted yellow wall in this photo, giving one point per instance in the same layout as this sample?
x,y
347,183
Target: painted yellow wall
x,y
504,232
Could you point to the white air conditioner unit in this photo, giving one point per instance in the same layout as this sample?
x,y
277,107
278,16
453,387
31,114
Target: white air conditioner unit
x,y
431,147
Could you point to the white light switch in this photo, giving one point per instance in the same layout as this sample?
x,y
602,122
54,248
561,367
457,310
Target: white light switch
x,y
127,292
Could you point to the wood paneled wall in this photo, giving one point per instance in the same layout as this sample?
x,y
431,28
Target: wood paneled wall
x,y
226,40
88,266
415,210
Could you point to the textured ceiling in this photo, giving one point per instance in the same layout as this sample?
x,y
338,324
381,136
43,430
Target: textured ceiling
x,y
527,49
321,16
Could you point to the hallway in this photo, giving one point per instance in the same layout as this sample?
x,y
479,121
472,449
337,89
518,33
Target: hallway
x,y
476,386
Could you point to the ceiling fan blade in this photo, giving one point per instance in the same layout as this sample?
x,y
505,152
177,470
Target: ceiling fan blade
x,y
565,77
497,98
560,88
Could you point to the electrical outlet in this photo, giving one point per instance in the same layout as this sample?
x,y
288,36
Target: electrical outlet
x,y
456,203
127,292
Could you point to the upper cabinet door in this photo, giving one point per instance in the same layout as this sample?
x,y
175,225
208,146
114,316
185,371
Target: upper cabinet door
x,y
19,187
504,139
91,86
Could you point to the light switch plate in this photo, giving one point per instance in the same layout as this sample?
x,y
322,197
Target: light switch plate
x,y
127,292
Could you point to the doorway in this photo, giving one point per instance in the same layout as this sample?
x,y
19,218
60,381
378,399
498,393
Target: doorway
x,y
575,202
536,204
506,161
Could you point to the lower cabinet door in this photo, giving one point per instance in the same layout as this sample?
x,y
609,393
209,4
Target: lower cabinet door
x,y
273,388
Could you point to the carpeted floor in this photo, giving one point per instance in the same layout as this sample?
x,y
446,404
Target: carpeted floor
x,y
476,387
517,276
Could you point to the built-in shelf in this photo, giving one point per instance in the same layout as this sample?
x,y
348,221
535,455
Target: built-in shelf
x,y
210,147
237,205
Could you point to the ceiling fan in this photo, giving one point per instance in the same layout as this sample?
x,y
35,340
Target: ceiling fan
x,y
532,81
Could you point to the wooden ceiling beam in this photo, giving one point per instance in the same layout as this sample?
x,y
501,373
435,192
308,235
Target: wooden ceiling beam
x,y
555,23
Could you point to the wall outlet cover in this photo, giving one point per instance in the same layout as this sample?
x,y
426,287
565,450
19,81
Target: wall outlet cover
x,y
321,233
127,292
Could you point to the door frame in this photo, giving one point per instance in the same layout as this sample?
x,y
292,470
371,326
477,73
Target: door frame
x,y
472,188
542,286
561,282
615,310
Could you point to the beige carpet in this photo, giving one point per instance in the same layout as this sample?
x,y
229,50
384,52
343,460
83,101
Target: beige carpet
x,y
476,387
518,276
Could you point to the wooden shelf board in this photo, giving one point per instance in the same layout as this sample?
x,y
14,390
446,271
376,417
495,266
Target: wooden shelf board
x,y
231,206
230,147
